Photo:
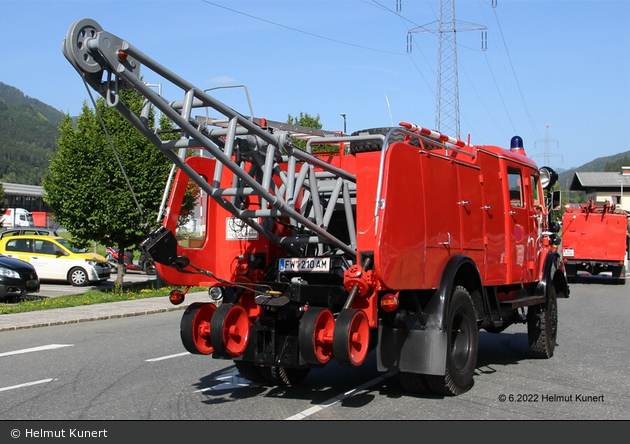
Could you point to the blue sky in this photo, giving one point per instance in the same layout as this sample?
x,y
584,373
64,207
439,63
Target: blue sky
x,y
554,72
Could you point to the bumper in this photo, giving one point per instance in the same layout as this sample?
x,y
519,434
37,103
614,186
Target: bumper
x,y
17,287
99,272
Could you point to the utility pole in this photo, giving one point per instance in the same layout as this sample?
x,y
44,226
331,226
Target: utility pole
x,y
447,93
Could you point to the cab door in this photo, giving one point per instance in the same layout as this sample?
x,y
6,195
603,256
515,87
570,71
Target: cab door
x,y
518,226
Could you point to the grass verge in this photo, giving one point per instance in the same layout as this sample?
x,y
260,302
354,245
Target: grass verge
x,y
90,297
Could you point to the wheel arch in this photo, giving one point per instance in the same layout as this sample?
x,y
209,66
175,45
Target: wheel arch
x,y
553,274
460,270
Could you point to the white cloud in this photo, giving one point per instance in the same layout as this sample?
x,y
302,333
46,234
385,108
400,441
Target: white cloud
x,y
222,80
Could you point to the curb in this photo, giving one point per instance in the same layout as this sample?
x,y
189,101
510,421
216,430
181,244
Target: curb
x,y
95,312
90,319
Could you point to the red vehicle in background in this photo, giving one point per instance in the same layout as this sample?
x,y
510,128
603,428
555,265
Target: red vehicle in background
x,y
595,241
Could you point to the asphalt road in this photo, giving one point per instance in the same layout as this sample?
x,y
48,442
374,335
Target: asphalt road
x,y
136,368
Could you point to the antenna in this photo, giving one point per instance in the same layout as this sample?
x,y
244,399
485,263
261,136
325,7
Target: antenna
x,y
390,110
546,142
447,95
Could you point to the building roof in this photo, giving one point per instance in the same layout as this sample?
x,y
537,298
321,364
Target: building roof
x,y
17,189
582,181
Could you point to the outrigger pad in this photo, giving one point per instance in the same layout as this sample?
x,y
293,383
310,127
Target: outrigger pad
x,y
161,245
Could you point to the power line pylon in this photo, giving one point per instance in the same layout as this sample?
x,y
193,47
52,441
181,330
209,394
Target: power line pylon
x,y
447,93
546,141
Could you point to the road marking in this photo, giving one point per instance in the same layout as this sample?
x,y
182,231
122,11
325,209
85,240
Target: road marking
x,y
35,349
26,384
162,358
336,399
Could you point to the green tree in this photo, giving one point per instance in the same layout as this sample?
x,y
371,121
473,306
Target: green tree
x,y
308,121
2,208
86,188
615,165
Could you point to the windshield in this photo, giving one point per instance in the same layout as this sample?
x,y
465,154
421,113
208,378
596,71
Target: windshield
x,y
66,244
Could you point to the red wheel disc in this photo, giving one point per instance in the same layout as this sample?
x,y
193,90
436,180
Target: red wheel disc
x,y
351,338
323,336
236,330
316,335
195,328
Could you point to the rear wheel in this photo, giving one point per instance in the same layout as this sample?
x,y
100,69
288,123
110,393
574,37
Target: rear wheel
x,y
195,328
351,337
78,277
542,327
461,354
316,335
250,371
230,330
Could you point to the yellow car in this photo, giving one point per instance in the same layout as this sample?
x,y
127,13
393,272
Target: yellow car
x,y
55,259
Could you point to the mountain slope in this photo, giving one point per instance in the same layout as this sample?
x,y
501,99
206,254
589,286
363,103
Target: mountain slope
x,y
27,137
598,165
14,97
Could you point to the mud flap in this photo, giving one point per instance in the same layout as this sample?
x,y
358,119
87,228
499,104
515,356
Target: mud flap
x,y
413,351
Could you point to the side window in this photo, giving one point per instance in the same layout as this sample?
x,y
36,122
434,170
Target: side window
x,y
191,226
21,245
44,247
515,183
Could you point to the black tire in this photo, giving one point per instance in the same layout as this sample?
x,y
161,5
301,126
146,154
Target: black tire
x,y
149,268
542,327
414,383
313,351
461,353
619,275
78,277
366,146
250,371
280,376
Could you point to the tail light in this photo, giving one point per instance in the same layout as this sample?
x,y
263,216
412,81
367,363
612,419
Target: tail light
x,y
177,296
389,302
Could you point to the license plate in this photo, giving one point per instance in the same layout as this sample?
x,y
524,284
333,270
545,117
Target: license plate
x,y
568,252
313,264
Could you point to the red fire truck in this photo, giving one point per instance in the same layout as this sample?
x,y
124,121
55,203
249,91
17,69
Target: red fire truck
x,y
595,241
400,240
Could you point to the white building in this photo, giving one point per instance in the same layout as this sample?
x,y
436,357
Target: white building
x,y
601,187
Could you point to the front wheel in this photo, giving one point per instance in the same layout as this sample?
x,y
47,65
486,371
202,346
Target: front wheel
x,y
542,327
461,353
149,268
78,277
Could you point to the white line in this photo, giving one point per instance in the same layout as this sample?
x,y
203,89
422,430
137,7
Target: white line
x,y
35,349
331,401
26,384
167,357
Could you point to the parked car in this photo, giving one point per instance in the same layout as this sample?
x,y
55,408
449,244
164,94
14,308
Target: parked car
x,y
17,278
55,259
35,231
